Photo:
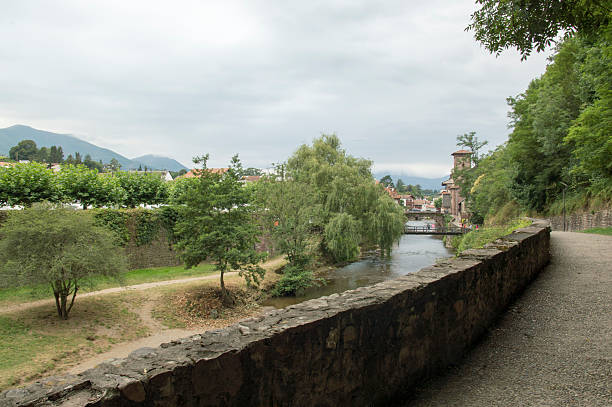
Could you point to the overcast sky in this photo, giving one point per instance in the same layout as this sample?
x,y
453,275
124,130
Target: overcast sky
x,y
395,80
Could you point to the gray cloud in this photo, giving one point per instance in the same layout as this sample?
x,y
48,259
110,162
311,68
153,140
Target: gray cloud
x,y
396,80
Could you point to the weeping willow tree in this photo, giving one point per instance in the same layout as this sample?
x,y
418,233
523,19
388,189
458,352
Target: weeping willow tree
x,y
325,203
352,210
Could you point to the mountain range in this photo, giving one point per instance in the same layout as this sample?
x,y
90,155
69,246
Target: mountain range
x,y
425,183
70,144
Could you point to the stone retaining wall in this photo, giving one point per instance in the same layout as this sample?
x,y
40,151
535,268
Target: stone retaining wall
x,y
582,220
359,348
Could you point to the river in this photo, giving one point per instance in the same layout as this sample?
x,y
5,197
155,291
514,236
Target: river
x,y
411,254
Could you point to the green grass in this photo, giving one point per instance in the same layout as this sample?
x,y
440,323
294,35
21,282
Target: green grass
x,y
132,277
35,342
600,231
476,239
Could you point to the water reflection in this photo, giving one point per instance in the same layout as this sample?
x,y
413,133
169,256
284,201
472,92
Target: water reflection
x,y
411,254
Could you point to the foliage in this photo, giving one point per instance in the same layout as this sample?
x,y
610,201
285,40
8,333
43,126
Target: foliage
x,y
148,189
85,186
24,150
561,139
294,281
529,24
216,222
147,226
59,247
342,237
470,140
387,181
25,184
291,218
115,221
477,238
344,184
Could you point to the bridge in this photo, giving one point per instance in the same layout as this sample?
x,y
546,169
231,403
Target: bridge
x,y
422,215
428,230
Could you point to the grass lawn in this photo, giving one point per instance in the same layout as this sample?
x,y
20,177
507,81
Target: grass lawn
x,y
600,231
36,342
26,294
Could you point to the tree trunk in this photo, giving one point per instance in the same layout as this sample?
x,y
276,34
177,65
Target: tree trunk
x,y
225,295
57,302
63,300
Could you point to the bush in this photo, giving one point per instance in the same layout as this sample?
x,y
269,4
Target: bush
x,y
294,281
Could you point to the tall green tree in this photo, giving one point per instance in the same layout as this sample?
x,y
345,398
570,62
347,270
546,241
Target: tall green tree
x,y
217,222
470,140
344,184
24,150
59,247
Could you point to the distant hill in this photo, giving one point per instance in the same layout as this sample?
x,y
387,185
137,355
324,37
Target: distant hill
x,y
159,163
10,136
425,183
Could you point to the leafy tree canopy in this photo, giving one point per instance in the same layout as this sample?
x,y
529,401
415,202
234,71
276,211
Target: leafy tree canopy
x,y
216,222
529,24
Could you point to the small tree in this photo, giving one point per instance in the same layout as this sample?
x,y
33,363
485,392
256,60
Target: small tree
x,y
59,247
216,222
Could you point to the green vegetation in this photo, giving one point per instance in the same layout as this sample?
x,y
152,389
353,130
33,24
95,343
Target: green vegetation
x,y
58,247
561,140
600,231
476,239
216,222
323,205
525,24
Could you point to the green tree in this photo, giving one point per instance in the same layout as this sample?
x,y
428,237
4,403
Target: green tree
x,y
42,155
92,164
216,222
54,246
529,24
291,217
344,184
80,184
27,183
470,140
114,165
387,181
148,189
438,203
56,155
24,150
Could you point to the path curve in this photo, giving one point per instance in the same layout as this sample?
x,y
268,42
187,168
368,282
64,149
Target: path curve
x,y
554,345
143,286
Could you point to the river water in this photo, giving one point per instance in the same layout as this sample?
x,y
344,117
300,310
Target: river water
x,y
411,254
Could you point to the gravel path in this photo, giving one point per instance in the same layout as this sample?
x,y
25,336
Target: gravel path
x,y
554,345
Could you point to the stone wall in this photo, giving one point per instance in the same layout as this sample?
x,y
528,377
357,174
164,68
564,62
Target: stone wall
x,y
583,220
359,348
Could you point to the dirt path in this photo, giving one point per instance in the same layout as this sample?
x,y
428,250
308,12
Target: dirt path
x,y
269,265
552,348
159,333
